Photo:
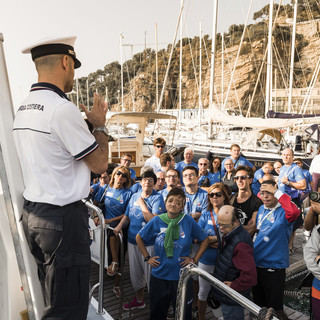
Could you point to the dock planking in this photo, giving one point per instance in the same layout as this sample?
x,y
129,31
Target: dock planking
x,y
111,302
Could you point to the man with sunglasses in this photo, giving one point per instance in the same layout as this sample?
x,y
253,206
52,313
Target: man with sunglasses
x,y
247,202
274,223
154,161
235,264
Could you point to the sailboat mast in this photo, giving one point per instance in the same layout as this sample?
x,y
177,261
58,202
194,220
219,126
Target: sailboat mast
x,y
200,75
121,64
180,73
292,54
222,66
213,49
269,60
157,79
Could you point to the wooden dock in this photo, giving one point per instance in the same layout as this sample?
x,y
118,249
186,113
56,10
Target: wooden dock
x,y
111,302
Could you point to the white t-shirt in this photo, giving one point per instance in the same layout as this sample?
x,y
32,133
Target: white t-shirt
x,y
51,138
153,162
315,165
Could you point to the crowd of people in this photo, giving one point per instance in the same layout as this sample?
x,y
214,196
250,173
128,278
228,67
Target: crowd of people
x,y
233,221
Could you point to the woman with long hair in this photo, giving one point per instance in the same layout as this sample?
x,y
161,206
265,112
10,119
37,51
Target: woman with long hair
x,y
215,168
217,198
116,199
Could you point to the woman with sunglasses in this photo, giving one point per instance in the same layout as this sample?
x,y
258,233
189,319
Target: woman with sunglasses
x,y
217,198
172,234
215,169
116,199
142,207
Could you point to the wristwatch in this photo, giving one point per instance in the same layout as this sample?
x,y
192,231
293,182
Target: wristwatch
x,y
146,259
288,183
101,129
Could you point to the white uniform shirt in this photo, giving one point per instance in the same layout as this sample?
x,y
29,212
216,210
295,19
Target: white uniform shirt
x,y
153,162
51,139
315,165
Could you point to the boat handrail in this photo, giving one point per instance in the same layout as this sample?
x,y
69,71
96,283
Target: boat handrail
x,y
191,270
103,226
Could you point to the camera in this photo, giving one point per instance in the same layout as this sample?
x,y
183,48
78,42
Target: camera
x,y
314,196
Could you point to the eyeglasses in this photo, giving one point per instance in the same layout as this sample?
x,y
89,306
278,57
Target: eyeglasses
x,y
147,180
224,226
124,175
126,160
161,179
236,178
191,175
159,146
203,164
215,194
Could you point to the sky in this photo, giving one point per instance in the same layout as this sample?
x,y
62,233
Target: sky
x,y
98,25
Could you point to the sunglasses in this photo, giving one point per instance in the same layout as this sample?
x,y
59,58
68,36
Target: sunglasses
x,y
236,178
124,175
159,146
215,194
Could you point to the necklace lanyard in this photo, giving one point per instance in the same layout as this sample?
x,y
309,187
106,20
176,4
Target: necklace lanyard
x,y
214,222
267,216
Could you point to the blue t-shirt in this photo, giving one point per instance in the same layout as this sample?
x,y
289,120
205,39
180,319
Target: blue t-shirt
x,y
136,187
308,178
294,174
99,195
116,201
180,165
196,202
155,231
241,162
206,224
132,174
213,178
164,193
271,244
95,188
154,203
255,182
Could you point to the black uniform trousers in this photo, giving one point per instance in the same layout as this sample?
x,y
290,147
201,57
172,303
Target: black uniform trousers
x,y
58,239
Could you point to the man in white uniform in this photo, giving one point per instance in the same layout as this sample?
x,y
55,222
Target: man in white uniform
x,y
57,152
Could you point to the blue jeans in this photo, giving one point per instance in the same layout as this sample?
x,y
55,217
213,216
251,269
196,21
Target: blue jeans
x,y
232,312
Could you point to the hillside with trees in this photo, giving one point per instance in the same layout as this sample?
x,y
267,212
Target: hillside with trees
x,y
139,73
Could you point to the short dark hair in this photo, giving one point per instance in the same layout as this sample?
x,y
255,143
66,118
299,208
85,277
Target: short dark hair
x,y
177,192
164,158
247,169
272,182
126,154
195,169
176,171
149,174
160,141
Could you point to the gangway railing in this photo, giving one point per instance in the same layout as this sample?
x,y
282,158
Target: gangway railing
x,y
100,284
191,270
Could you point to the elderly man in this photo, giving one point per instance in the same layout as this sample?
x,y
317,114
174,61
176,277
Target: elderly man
x,y
237,159
188,157
161,181
57,152
206,178
167,161
274,224
247,202
172,180
235,263
291,180
159,144
126,160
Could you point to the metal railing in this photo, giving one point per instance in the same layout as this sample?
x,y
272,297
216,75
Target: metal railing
x,y
103,226
190,270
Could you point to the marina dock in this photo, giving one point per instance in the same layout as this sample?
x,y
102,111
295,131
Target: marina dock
x,y
111,302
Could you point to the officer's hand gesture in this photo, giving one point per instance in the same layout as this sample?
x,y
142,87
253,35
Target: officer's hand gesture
x,y
97,115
